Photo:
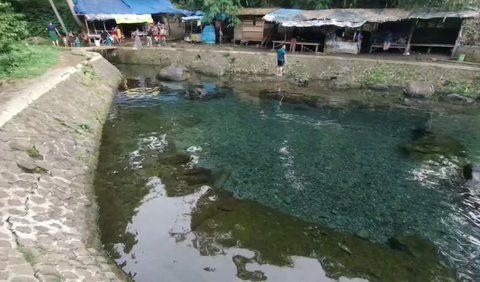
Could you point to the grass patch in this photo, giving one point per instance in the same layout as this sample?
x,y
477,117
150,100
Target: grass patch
x,y
27,61
469,88
391,75
28,255
33,153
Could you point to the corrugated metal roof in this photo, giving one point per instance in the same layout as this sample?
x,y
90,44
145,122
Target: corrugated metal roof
x,y
255,11
355,17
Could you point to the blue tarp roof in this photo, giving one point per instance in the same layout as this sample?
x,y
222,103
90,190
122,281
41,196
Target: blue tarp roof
x,y
137,7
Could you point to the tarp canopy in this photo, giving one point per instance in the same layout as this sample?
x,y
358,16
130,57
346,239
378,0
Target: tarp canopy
x,y
120,18
126,7
355,17
197,16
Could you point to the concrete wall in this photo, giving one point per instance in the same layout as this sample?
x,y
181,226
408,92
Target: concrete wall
x,y
472,53
48,157
338,72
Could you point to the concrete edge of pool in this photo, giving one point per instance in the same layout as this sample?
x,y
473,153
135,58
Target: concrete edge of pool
x,y
48,230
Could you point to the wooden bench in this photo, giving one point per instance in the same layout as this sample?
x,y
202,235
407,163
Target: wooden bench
x,y
309,47
279,43
430,46
304,46
376,46
403,47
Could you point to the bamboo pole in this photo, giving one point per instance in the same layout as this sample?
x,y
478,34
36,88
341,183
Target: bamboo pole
x,y
58,16
457,42
410,36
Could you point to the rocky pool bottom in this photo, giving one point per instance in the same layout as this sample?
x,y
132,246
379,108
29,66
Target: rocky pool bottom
x,y
240,187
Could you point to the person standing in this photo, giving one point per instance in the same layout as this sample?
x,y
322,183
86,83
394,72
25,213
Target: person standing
x,y
359,41
163,34
150,35
281,60
136,36
53,33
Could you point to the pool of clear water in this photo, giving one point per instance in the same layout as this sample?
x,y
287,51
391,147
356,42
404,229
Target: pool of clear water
x,y
339,168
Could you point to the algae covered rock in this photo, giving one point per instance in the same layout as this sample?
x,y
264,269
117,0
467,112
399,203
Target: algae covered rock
x,y
419,89
174,73
209,67
430,144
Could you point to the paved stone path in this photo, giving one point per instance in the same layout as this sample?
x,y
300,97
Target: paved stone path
x,y
47,158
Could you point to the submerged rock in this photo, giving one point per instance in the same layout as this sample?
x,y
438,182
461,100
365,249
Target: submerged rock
x,y
460,98
203,95
198,175
363,234
419,89
432,144
414,246
174,73
175,158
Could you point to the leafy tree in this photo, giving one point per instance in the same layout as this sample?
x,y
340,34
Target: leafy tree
x,y
38,13
12,26
215,9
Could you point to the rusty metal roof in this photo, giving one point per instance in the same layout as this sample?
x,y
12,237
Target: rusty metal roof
x,y
356,17
255,11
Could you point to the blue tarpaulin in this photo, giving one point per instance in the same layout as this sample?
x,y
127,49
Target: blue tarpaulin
x,y
125,7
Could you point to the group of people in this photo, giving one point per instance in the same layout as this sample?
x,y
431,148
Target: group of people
x,y
114,36
69,40
156,34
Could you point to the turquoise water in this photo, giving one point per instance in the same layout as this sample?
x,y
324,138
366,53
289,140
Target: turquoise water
x,y
339,168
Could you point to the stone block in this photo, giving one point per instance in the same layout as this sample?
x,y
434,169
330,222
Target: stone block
x,y
24,269
5,244
23,279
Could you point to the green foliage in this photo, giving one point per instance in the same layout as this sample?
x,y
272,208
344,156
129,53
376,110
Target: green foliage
x,y
216,9
27,61
39,13
28,255
12,27
206,5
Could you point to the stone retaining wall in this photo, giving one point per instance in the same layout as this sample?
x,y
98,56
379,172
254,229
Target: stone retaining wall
x,y
48,230
337,72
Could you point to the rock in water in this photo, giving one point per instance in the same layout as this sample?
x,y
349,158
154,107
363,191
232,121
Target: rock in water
x,y
414,246
472,173
432,144
363,234
174,159
203,95
419,89
174,73
460,98
198,175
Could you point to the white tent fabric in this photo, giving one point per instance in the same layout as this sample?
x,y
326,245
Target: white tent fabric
x,y
121,18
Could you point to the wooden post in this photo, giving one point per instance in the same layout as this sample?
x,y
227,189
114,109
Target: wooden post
x,y
412,30
86,24
457,42
58,17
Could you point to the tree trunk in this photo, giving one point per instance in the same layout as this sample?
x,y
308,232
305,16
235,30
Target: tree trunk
x,y
72,9
58,16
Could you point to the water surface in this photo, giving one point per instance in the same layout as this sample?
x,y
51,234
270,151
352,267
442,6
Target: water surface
x,y
292,189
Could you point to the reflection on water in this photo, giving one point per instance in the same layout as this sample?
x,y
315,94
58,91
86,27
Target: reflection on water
x,y
239,188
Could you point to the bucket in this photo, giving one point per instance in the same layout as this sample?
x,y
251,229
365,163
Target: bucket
x,y
461,57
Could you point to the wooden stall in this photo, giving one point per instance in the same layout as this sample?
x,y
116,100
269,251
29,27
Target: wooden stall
x,y
252,28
